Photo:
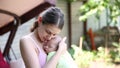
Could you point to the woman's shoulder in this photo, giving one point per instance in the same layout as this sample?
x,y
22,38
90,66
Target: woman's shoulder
x,y
25,40
25,37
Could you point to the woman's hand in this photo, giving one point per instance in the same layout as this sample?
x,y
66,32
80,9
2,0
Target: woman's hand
x,y
52,63
62,46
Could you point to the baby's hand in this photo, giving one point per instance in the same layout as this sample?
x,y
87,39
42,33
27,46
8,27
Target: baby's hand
x,y
62,46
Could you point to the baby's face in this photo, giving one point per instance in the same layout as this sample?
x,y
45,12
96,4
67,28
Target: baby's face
x,y
50,46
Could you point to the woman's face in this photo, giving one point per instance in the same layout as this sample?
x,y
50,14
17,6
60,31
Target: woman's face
x,y
47,32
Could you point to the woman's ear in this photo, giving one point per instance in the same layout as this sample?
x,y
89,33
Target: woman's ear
x,y
39,20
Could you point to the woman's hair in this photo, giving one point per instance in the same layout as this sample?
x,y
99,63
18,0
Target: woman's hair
x,y
53,16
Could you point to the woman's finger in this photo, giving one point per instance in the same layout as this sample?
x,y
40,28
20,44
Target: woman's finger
x,y
63,40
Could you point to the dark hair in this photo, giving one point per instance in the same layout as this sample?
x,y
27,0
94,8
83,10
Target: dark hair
x,y
52,15
35,25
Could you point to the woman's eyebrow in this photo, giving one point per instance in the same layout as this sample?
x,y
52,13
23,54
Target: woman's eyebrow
x,y
47,31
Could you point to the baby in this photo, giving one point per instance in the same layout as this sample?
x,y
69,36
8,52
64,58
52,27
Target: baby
x,y
65,61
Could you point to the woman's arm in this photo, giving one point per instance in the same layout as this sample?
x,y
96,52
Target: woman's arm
x,y
54,60
29,54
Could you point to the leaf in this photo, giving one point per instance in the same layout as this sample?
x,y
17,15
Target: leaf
x,y
115,44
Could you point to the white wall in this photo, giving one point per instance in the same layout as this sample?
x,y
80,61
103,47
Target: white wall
x,y
62,5
77,26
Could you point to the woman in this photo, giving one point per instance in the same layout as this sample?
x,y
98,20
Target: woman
x,y
48,25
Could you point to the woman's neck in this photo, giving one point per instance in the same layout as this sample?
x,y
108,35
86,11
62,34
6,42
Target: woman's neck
x,y
36,37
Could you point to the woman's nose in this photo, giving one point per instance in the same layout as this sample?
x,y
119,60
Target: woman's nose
x,y
49,38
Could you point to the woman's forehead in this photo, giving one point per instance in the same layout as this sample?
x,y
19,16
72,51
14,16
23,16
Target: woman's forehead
x,y
52,28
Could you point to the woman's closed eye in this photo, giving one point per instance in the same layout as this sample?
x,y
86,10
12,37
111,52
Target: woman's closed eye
x,y
50,33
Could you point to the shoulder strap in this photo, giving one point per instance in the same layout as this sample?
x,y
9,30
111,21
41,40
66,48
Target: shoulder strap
x,y
36,45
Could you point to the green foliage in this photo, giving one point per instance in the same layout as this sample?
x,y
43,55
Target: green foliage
x,y
91,7
70,1
84,58
96,7
115,53
102,55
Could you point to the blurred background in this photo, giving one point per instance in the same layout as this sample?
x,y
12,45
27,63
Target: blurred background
x,y
92,28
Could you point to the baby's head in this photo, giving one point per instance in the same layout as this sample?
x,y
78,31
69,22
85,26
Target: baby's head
x,y
52,45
